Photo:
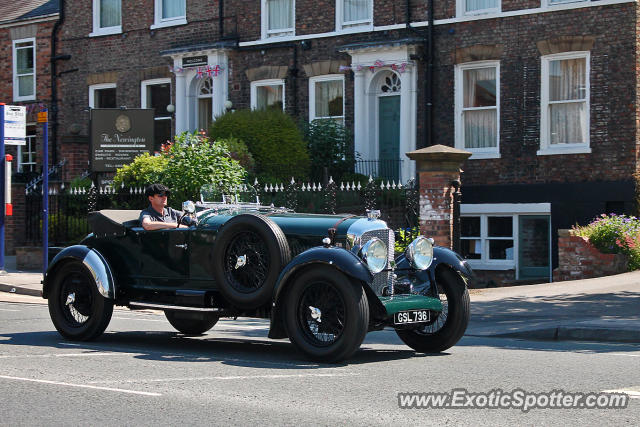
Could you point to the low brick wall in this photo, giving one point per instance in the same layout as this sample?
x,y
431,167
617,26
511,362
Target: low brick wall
x,y
28,258
579,259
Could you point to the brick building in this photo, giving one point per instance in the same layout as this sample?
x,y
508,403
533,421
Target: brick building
x,y
542,92
25,66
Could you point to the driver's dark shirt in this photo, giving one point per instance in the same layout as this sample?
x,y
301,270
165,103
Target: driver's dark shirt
x,y
168,215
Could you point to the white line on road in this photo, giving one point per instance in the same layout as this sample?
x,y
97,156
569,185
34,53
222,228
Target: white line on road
x,y
30,356
229,377
633,393
623,354
119,390
6,309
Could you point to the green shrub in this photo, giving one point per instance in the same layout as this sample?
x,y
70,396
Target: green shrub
x,y
614,234
329,145
238,151
404,236
144,169
80,182
184,166
273,139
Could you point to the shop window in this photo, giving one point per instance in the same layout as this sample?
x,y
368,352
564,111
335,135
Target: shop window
x,y
267,94
107,17
156,94
487,238
102,95
326,98
24,76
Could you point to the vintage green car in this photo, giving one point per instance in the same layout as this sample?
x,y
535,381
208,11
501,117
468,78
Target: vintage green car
x,y
324,281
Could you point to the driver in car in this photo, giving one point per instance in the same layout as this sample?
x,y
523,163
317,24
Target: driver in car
x,y
158,216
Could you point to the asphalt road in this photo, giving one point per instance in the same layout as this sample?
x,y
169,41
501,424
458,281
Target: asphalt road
x,y
141,372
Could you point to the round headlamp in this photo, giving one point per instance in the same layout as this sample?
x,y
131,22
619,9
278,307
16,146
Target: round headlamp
x,y
374,253
420,253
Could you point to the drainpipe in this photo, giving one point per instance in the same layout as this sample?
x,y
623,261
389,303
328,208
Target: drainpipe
x,y
221,18
427,46
54,87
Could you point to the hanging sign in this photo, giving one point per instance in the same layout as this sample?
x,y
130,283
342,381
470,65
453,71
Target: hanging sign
x,y
194,61
15,125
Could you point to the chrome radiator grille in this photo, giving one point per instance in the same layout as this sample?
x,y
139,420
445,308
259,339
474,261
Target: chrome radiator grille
x,y
383,279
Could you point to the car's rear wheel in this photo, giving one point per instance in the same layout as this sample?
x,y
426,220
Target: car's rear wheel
x,y
248,255
446,329
191,323
326,314
77,309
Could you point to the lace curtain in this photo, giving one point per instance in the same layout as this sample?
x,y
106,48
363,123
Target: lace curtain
x,y
267,96
173,8
280,14
356,10
109,13
480,114
329,98
472,5
567,101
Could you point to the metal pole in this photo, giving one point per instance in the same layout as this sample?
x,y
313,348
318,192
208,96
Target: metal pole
x,y
2,174
45,196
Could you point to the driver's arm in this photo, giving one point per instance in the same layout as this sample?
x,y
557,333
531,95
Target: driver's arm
x,y
149,225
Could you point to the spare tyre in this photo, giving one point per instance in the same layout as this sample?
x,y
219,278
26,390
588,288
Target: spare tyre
x,y
249,253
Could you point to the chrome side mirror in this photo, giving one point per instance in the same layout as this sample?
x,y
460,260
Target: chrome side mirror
x,y
188,207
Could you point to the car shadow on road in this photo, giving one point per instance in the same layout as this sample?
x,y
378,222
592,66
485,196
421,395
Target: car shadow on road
x,y
175,347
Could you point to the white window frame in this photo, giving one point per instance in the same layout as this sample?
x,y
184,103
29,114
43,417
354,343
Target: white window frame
x,y
93,88
282,32
461,6
271,82
30,139
514,210
16,96
546,148
159,22
477,153
312,95
143,93
97,30
355,25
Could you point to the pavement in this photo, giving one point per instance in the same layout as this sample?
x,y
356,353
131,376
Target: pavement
x,y
603,309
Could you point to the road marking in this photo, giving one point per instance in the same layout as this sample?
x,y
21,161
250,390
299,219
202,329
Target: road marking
x,y
632,392
119,390
229,377
622,354
31,356
6,309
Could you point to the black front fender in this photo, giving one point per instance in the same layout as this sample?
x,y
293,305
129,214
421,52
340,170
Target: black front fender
x,y
441,257
92,260
338,258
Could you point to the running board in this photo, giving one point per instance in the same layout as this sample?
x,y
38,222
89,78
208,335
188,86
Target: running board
x,y
175,307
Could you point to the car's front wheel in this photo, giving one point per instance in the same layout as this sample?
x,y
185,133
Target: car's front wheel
x,y
326,314
191,323
449,326
77,309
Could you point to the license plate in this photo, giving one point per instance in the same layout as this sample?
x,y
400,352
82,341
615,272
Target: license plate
x,y
411,316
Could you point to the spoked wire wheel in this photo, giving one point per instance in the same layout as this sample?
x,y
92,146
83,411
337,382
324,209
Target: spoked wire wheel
x,y
246,262
76,299
439,319
321,313
77,308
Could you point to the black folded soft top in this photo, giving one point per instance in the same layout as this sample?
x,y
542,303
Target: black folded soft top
x,y
113,222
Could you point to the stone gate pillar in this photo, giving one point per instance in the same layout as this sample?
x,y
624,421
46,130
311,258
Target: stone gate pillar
x,y
438,167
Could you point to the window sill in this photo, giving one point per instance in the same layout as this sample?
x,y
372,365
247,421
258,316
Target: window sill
x,y
479,12
106,31
480,156
24,98
169,23
568,150
480,265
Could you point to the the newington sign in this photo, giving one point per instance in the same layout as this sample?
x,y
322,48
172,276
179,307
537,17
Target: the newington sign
x,y
118,136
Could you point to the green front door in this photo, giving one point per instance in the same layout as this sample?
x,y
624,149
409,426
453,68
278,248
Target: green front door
x,y
389,137
534,247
